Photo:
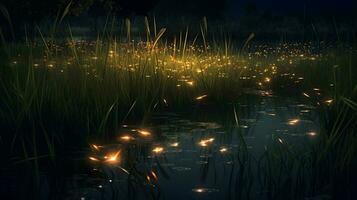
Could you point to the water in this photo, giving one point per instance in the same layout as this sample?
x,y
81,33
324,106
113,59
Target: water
x,y
195,157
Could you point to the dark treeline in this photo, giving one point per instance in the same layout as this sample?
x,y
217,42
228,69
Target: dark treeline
x,y
15,14
21,11
249,15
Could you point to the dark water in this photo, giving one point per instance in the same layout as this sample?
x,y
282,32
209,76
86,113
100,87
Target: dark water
x,y
177,157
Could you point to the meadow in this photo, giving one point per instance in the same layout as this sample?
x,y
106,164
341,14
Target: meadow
x,y
65,97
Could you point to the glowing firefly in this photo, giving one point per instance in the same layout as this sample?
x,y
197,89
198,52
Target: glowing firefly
x,y
201,97
223,150
126,138
312,134
112,157
94,159
176,144
158,150
144,133
293,122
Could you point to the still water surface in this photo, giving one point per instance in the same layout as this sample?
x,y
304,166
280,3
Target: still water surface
x,y
195,157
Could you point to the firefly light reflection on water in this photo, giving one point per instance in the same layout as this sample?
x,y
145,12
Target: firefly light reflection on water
x,y
204,190
109,158
184,150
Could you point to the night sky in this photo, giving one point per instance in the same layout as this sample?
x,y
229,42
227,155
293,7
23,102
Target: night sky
x,y
235,8
312,6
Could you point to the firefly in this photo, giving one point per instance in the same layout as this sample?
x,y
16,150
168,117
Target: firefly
x,y
223,150
126,138
148,178
206,142
201,97
328,102
306,95
199,190
280,140
312,134
94,159
176,144
190,83
293,122
96,147
112,157
144,133
154,175
158,150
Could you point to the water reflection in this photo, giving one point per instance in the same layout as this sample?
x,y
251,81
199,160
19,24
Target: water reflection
x,y
178,158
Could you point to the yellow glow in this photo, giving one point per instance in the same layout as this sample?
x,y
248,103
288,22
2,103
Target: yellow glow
x,y
201,97
154,175
126,138
176,144
328,102
144,133
199,190
223,150
94,159
312,133
293,122
280,140
190,83
96,147
306,95
206,142
158,150
112,157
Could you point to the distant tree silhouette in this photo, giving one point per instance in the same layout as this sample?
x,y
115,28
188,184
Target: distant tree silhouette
x,y
30,12
77,6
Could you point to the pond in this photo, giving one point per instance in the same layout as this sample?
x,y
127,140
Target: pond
x,y
201,156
